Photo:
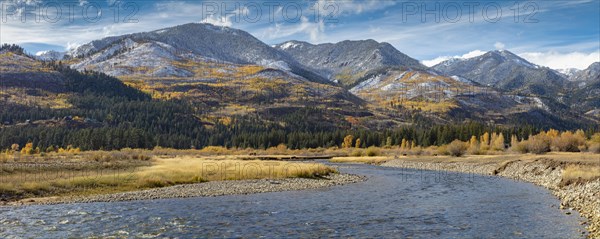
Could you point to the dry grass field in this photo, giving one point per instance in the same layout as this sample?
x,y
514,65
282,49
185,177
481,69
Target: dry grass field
x,y
90,173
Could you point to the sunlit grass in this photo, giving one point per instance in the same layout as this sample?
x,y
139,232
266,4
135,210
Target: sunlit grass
x,y
368,160
580,174
161,173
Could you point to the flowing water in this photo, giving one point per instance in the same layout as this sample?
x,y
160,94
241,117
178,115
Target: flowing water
x,y
393,203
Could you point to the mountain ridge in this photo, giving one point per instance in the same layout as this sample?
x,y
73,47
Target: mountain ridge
x,y
347,61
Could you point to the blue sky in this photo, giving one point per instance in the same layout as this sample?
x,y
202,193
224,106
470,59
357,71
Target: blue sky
x,y
558,34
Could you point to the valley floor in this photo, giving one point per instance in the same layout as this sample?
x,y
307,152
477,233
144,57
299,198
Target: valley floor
x,y
141,175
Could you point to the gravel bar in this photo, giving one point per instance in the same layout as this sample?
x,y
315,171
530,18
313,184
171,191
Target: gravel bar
x,y
210,189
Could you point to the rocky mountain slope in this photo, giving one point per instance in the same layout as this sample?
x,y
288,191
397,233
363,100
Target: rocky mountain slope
x,y
347,61
585,98
506,71
228,73
591,74
200,40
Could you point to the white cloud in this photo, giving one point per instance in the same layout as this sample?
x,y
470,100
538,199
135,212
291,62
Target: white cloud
x,y
556,60
218,21
315,30
440,59
72,45
499,46
351,6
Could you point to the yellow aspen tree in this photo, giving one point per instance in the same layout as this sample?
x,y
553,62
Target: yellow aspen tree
x,y
514,140
357,145
552,133
485,141
348,141
498,143
473,145
403,144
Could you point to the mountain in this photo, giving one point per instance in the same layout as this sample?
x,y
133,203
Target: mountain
x,y
50,55
20,75
454,99
568,72
585,99
505,71
222,71
591,74
203,40
226,75
347,61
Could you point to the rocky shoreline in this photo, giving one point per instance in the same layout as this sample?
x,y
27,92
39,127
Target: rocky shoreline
x,y
208,189
585,198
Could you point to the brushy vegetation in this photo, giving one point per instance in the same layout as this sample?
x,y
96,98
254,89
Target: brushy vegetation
x,y
133,169
367,160
457,148
579,174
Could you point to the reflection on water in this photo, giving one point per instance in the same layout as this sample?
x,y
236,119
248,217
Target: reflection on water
x,y
392,203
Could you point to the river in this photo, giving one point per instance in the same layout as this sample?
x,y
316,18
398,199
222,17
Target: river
x,y
393,203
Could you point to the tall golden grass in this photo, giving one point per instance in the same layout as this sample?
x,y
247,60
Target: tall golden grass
x,y
368,160
580,174
68,180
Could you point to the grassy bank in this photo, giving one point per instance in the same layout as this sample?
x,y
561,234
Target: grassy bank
x,y
367,160
90,173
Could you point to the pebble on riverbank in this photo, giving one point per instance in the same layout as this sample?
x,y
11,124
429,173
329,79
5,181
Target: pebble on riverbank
x,y
214,188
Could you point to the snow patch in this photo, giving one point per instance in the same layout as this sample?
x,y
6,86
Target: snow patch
x,y
50,55
369,83
281,65
288,45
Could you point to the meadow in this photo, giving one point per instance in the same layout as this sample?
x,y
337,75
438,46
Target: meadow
x,y
100,172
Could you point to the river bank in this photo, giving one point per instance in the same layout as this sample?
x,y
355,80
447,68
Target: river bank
x,y
583,197
206,189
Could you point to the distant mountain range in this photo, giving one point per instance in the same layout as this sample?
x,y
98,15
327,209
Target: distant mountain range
x,y
505,71
228,72
346,62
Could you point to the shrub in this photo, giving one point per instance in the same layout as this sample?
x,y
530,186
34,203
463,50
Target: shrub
x,y
218,150
373,151
520,147
568,142
595,138
356,153
539,144
416,151
442,150
595,148
457,148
